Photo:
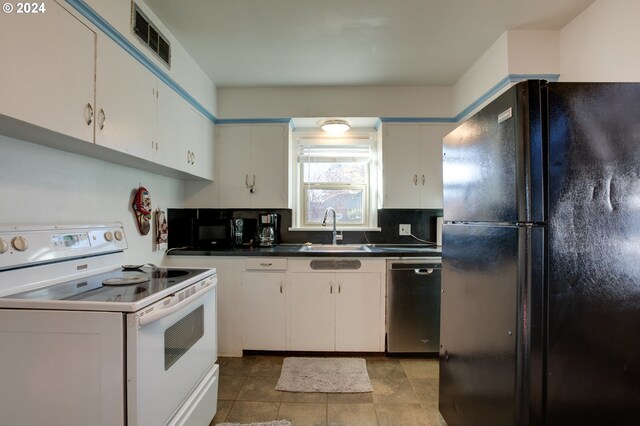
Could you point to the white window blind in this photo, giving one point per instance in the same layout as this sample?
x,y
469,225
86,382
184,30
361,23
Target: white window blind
x,y
335,174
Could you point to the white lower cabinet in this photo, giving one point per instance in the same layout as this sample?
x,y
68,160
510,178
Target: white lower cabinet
x,y
358,312
336,311
263,311
277,304
312,307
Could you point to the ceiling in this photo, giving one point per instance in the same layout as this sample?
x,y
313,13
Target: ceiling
x,y
265,43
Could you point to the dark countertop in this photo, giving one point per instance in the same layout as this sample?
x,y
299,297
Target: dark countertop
x,y
293,250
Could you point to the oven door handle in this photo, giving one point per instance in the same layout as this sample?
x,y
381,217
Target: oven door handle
x,y
163,312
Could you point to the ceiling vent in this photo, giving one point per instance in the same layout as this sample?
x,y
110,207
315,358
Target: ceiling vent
x,y
148,33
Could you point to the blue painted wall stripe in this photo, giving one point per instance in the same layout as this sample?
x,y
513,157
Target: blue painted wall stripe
x,y
252,120
112,33
511,78
417,119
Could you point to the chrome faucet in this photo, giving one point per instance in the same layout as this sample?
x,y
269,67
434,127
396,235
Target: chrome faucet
x,y
324,223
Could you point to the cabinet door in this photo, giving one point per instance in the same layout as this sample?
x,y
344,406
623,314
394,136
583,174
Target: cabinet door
x,y
201,142
125,102
358,312
431,165
47,76
263,311
234,146
269,166
168,149
312,317
401,166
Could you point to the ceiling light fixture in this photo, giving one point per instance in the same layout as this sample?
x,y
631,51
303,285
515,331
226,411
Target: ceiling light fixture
x,y
335,127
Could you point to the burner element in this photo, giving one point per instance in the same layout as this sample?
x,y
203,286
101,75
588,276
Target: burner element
x,y
127,280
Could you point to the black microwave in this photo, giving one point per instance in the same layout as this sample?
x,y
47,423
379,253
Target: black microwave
x,y
212,233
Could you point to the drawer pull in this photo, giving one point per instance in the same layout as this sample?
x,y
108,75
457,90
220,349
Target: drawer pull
x,y
266,264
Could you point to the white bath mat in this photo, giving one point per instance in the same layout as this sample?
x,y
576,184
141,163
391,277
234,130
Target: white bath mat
x,y
273,423
328,375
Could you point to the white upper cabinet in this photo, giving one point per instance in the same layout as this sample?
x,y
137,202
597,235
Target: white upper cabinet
x,y
252,166
185,138
73,82
47,76
125,102
412,165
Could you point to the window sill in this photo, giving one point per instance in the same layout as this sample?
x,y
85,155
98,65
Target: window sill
x,y
330,228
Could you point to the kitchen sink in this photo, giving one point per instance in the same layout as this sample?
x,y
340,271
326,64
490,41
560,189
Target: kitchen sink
x,y
338,248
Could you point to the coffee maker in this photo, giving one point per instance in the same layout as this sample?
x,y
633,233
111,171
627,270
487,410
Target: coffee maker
x,y
268,230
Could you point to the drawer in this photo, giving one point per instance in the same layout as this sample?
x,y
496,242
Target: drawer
x,y
265,264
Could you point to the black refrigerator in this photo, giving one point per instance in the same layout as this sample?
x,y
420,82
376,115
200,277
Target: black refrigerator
x,y
540,314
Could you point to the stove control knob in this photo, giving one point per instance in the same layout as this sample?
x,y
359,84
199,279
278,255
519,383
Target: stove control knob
x,y
19,243
118,235
3,246
108,236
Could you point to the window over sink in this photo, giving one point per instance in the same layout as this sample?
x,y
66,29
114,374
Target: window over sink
x,y
335,171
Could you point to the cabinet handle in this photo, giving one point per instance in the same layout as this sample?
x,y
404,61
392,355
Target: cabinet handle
x,y
103,117
422,180
280,288
415,180
339,288
251,187
88,114
266,264
331,289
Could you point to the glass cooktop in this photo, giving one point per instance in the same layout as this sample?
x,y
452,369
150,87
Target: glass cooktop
x,y
144,283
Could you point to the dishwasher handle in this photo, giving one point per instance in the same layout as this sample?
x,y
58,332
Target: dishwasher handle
x,y
414,266
423,271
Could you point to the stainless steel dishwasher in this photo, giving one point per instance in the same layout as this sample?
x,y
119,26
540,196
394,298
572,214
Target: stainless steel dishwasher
x,y
413,305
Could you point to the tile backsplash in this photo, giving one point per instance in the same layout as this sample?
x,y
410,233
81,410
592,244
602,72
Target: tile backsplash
x,y
422,221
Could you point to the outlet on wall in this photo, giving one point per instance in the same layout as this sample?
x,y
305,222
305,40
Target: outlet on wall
x,y
405,229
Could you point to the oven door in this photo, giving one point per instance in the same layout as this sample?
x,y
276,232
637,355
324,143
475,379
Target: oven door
x,y
169,353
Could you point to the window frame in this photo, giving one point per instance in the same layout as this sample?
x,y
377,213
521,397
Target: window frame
x,y
371,185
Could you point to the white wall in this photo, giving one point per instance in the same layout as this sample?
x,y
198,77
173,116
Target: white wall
x,y
488,70
514,54
334,102
601,44
41,185
533,52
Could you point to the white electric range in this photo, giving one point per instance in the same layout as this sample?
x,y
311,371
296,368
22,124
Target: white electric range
x,y
85,341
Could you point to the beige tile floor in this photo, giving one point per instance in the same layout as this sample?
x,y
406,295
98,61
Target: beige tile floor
x,y
405,393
